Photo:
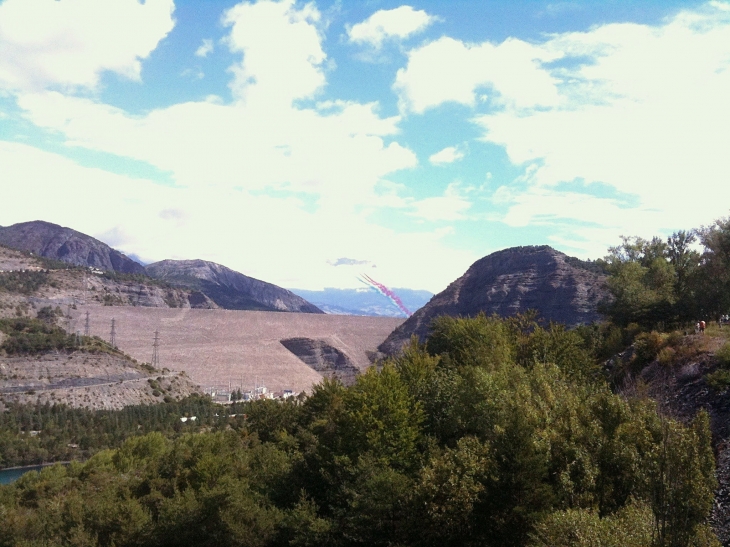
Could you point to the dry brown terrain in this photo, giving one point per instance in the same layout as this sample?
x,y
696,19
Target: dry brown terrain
x,y
15,260
218,347
91,380
71,287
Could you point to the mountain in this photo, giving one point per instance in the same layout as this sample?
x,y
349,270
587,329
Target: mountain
x,y
207,281
364,301
561,288
228,288
54,241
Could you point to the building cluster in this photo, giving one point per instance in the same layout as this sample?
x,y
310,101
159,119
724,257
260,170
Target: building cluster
x,y
226,395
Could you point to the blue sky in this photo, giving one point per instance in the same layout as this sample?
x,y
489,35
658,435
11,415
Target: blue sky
x,y
307,143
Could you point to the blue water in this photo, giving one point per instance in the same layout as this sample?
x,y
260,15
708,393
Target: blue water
x,y
11,475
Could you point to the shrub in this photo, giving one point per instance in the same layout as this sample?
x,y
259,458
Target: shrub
x,y
723,355
718,380
647,346
666,356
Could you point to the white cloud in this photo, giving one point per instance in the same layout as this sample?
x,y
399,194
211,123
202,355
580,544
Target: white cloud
x,y
640,109
205,48
336,151
647,115
70,43
339,156
291,246
449,70
450,207
282,52
449,154
398,23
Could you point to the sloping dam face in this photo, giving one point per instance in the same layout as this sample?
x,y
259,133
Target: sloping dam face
x,y
243,348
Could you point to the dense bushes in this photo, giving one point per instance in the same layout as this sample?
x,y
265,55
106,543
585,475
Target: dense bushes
x,y
26,335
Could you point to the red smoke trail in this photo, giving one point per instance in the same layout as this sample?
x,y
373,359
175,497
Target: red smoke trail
x,y
387,292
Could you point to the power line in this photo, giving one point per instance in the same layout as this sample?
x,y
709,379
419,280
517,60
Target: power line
x,y
113,335
155,350
87,326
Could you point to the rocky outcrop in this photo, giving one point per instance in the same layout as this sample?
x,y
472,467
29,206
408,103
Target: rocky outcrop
x,y
54,241
512,281
322,357
129,293
227,288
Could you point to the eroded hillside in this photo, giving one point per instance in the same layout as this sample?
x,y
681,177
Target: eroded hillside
x,y
41,363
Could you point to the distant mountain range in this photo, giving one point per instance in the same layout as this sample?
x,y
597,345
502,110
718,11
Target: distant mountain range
x,y
364,301
228,289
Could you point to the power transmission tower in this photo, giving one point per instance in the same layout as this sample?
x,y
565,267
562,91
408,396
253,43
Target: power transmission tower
x,y
155,350
87,326
68,318
113,335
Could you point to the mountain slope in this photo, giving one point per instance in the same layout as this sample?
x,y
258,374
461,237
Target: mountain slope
x,y
54,241
512,281
228,288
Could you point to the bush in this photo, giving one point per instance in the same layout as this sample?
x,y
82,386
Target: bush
x,y
723,355
47,314
666,356
647,346
718,380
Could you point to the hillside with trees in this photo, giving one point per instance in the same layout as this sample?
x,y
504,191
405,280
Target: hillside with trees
x,y
495,432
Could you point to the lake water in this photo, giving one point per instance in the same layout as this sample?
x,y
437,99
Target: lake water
x,y
11,475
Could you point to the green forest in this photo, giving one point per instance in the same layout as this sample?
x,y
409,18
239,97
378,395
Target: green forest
x,y
668,283
494,432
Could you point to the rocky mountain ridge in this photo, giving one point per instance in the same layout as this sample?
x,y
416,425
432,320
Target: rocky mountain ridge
x,y
204,284
227,288
57,242
512,281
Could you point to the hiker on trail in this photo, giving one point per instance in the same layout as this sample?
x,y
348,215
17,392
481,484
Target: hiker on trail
x,y
702,327
697,327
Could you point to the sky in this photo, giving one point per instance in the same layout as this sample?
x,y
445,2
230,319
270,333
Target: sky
x,y
308,143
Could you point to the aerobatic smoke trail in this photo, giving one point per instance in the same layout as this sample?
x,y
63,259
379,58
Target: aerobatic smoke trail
x,y
382,289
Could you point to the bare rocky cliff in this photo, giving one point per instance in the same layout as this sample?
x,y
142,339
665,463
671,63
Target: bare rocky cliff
x,y
508,282
227,288
54,241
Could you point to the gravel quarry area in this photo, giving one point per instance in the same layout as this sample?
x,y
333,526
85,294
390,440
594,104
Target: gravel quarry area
x,y
241,348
